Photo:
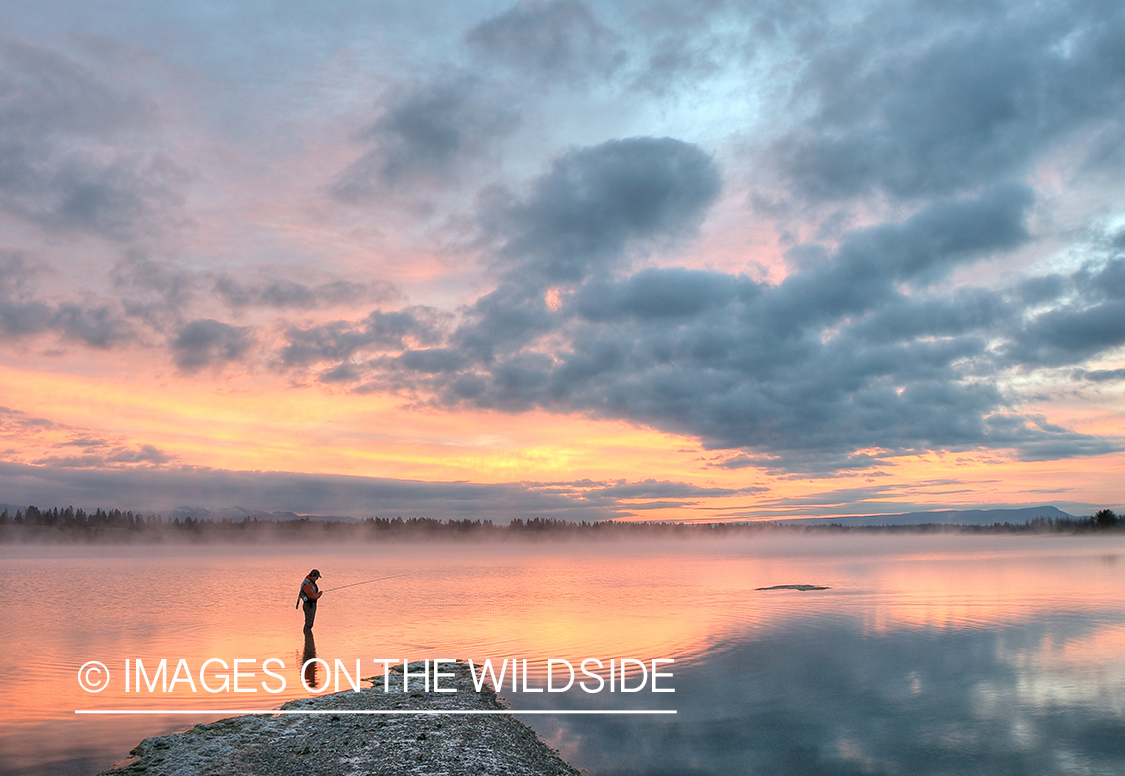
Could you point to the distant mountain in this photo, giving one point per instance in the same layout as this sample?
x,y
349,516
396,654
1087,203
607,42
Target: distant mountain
x,y
947,517
238,514
234,514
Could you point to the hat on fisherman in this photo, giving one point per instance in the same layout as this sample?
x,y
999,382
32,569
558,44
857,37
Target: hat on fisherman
x,y
314,573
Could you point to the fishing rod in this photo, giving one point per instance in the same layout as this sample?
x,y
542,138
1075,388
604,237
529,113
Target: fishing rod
x,y
367,582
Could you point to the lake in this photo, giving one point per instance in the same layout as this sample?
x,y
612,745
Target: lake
x,y
927,654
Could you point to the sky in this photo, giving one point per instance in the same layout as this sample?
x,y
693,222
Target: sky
x,y
579,260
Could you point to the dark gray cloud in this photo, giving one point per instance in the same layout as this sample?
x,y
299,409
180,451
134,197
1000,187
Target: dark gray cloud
x,y
378,333
427,134
861,354
101,453
1093,322
971,312
208,342
923,99
504,320
1065,336
744,364
559,39
20,319
659,294
655,494
99,327
581,215
870,263
69,156
1101,375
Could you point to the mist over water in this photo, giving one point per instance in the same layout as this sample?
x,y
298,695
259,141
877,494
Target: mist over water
x,y
926,654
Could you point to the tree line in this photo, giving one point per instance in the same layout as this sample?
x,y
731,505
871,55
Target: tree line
x,y
34,524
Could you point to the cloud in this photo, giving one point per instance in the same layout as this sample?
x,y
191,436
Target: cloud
x,y
144,479
578,218
556,40
962,98
426,136
861,354
657,294
162,294
99,327
16,272
502,321
746,365
658,494
101,453
854,358
379,332
284,294
22,315
1064,336
1093,323
172,302
916,140
581,215
16,422
154,291
869,264
208,342
69,156
677,61
1101,375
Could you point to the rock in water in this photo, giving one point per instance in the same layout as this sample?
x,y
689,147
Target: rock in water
x,y
358,744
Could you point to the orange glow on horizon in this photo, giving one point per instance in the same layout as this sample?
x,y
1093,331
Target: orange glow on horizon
x,y
251,423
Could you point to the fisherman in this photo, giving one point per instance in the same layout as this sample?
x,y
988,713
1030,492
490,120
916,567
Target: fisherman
x,y
307,598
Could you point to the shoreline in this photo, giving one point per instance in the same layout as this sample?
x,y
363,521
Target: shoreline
x,y
355,744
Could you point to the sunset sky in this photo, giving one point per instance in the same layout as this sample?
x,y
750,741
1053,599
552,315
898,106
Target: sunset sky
x,y
650,260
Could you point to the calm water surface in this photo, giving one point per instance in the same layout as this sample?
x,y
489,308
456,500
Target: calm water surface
x,y
928,654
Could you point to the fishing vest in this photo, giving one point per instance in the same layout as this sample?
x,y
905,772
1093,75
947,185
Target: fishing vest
x,y
301,597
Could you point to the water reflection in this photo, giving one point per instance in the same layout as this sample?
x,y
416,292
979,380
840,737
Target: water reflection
x,y
963,650
826,698
310,665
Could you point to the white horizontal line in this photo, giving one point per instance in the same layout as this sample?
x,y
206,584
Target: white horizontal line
x,y
261,712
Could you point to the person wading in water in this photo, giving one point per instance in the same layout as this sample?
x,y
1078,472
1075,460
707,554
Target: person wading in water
x,y
308,598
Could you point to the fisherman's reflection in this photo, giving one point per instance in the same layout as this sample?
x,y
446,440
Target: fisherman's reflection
x,y
307,656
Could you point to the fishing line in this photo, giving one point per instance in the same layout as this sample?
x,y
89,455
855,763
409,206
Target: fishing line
x,y
367,582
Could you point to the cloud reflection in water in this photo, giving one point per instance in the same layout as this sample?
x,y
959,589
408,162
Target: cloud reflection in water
x,y
826,697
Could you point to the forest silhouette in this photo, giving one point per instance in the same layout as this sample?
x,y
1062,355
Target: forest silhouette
x,y
117,526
